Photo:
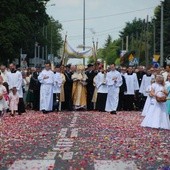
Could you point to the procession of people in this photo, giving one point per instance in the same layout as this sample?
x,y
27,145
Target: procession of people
x,y
76,87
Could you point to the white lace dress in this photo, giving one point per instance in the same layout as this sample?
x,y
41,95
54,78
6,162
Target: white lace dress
x,y
157,116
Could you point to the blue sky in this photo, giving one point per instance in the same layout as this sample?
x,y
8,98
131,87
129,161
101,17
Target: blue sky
x,y
109,17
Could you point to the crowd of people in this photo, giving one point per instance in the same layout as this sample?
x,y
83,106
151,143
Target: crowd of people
x,y
74,87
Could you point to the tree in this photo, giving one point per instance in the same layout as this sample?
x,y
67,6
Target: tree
x,y
140,35
21,25
157,20
111,50
54,39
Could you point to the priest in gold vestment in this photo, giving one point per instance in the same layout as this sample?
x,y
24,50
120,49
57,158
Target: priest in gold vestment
x,y
79,92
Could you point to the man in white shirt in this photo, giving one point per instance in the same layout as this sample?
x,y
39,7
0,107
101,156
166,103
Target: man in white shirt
x,y
113,81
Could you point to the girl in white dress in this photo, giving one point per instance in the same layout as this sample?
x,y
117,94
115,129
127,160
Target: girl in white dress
x,y
157,118
13,101
149,99
3,103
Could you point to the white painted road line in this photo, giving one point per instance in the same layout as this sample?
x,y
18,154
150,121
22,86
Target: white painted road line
x,y
114,165
76,114
67,156
50,155
63,144
63,132
74,120
33,165
74,132
62,149
72,124
65,140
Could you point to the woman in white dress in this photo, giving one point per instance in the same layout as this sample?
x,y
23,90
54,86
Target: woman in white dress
x,y
157,118
167,86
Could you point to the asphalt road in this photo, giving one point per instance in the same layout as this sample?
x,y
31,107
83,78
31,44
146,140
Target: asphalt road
x,y
82,141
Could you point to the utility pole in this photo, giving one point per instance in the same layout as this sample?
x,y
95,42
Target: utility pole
x,y
132,44
147,49
46,48
84,30
154,32
51,42
122,43
161,42
43,31
35,54
38,54
95,48
127,43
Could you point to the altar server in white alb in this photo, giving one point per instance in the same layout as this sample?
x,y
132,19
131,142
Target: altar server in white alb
x,y
102,90
132,85
46,78
58,81
113,81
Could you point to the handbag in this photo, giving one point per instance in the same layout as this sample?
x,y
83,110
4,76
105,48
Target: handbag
x,y
162,98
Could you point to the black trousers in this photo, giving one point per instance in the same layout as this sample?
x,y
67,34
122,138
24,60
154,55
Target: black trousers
x,y
56,101
129,102
21,106
101,101
121,103
90,105
36,100
68,103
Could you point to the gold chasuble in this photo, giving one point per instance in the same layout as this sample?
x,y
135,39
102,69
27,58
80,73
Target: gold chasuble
x,y
79,92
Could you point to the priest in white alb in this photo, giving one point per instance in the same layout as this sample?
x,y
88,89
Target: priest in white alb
x,y
46,78
113,81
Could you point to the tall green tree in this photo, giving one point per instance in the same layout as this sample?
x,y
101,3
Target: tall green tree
x,y
111,50
141,38
21,26
166,23
54,38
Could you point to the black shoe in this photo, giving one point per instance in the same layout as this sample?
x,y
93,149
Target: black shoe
x,y
12,114
44,111
113,112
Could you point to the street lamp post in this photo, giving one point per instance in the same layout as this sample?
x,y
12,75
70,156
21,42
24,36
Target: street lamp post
x,y
46,48
35,53
51,42
162,36
84,29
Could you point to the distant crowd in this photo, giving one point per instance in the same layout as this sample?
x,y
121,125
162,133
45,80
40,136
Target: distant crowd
x,y
76,87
